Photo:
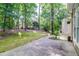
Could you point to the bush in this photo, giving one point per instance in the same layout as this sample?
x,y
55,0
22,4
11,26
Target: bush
x,y
56,33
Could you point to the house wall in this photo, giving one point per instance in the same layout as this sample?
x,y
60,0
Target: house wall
x,y
75,35
74,22
66,27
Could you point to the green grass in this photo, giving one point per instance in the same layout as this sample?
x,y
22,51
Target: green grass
x,y
14,40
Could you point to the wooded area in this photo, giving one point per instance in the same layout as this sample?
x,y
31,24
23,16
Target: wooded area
x,y
24,16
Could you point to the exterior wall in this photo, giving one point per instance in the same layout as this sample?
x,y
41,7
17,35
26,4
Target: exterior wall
x,y
70,8
66,28
74,22
75,36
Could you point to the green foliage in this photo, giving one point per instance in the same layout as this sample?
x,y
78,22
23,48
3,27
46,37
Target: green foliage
x,y
45,24
45,17
10,14
46,27
35,25
53,12
56,27
28,10
60,13
7,16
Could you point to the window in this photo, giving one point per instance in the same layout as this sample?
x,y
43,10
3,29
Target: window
x,y
76,26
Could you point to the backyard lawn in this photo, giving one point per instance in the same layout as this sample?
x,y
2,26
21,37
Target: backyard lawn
x,y
14,40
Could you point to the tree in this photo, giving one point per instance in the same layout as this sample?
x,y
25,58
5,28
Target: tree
x,y
45,16
28,11
52,15
6,12
10,15
60,12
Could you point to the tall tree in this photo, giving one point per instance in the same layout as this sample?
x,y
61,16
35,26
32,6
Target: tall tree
x,y
28,11
52,18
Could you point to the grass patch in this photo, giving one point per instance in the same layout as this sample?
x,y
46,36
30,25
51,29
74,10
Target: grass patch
x,y
14,40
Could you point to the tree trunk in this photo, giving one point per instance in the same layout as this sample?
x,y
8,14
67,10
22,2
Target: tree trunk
x,y
39,17
18,24
52,19
4,25
4,19
25,10
9,23
18,18
22,25
25,24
